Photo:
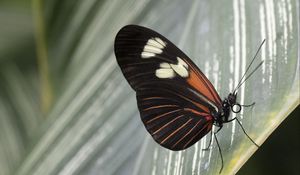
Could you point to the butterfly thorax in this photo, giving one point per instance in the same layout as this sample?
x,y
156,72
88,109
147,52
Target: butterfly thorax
x,y
227,106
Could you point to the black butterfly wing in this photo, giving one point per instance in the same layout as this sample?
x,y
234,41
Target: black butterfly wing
x,y
172,115
174,97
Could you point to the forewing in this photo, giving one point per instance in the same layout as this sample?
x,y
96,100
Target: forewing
x,y
175,98
142,53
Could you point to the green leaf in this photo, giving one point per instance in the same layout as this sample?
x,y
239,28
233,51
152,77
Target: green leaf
x,y
94,127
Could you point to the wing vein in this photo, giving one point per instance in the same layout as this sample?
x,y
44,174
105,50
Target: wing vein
x,y
174,132
159,106
196,135
186,134
162,115
167,124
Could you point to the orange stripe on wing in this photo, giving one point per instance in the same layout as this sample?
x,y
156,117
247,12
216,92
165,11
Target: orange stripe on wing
x,y
195,82
195,135
174,132
209,126
208,117
160,106
154,98
203,85
162,115
204,108
186,134
167,124
196,112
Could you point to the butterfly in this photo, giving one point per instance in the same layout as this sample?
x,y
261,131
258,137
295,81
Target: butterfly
x,y
177,103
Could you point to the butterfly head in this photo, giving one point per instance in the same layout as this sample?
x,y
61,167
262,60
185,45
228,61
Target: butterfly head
x,y
229,104
231,99
232,104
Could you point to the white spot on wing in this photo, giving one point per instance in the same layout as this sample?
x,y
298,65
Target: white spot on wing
x,y
181,62
147,54
153,46
160,41
180,70
155,43
164,73
152,49
167,70
165,65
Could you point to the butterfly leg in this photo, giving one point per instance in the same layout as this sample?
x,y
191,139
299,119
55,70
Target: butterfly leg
x,y
220,151
219,129
231,120
250,105
210,140
245,131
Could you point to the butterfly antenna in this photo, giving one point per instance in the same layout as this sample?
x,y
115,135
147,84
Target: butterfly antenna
x,y
249,75
239,83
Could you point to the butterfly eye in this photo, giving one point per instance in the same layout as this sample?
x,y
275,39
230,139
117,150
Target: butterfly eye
x,y
236,108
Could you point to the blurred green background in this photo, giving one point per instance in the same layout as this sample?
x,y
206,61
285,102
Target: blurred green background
x,y
65,107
